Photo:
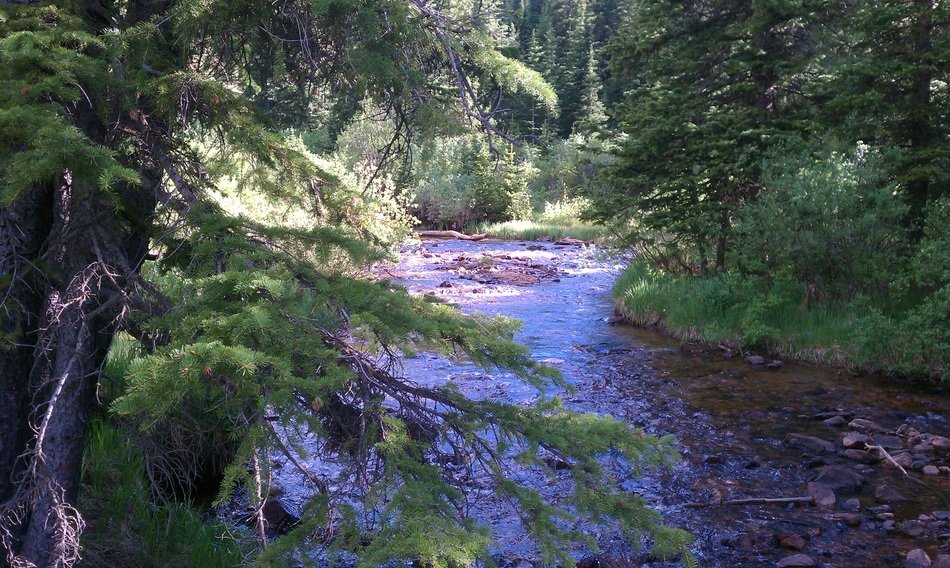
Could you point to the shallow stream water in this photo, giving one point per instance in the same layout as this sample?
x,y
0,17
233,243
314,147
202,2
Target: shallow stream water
x,y
730,419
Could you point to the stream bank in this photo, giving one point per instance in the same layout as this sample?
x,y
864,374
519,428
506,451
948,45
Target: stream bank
x,y
745,432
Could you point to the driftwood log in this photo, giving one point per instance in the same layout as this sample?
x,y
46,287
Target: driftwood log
x,y
451,235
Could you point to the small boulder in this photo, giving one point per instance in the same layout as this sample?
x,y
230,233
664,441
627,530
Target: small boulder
x,y
774,364
755,360
796,561
855,440
860,456
836,421
794,542
904,460
823,495
940,444
810,443
445,284
942,561
917,558
840,478
941,515
931,470
887,494
889,442
866,425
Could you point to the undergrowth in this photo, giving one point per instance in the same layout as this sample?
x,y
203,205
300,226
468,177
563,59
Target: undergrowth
x,y
771,315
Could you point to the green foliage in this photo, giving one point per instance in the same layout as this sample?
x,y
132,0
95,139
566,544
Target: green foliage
x,y
827,216
130,529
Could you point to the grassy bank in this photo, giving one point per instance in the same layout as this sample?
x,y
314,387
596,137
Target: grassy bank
x,y
771,317
534,230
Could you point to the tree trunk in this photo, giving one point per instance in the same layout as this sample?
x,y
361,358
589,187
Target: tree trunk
x,y
59,322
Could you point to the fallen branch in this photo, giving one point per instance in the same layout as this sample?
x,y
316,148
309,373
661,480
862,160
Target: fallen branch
x,y
755,501
451,235
888,457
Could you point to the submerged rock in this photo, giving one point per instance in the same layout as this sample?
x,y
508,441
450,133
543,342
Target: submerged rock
x,y
810,443
796,561
917,558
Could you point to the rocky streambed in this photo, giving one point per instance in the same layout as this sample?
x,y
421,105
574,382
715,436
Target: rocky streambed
x,y
783,465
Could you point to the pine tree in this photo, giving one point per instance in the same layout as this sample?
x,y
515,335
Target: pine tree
x,y
885,88
711,86
117,121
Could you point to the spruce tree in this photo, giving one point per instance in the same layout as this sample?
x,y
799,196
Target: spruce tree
x,y
711,86
117,123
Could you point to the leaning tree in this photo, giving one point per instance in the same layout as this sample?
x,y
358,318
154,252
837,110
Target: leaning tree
x,y
117,121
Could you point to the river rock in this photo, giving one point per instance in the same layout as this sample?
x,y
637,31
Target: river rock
x,y
755,360
850,519
889,442
823,495
860,456
836,421
810,443
931,470
794,542
942,561
887,494
855,440
796,561
840,478
774,364
445,284
917,558
852,504
866,425
940,444
941,515
903,459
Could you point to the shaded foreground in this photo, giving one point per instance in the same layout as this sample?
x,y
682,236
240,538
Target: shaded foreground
x,y
744,432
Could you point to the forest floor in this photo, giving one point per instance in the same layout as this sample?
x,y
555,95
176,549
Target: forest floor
x,y
744,431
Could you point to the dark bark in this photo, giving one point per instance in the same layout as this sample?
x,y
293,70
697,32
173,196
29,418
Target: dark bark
x,y
63,327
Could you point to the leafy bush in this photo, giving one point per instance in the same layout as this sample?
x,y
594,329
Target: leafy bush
x,y
829,218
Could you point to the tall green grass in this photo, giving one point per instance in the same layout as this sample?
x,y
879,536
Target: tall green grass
x,y
743,312
126,527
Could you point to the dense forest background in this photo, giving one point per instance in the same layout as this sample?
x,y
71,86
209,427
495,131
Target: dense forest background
x,y
193,191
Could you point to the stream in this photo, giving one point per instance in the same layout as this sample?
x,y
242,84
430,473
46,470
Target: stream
x,y
744,431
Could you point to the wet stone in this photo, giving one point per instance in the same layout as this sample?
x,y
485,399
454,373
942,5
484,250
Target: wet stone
x,y
860,456
823,495
755,360
941,515
840,478
917,558
913,528
852,504
942,561
931,470
866,425
855,440
889,442
836,421
796,561
794,542
810,443
887,494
